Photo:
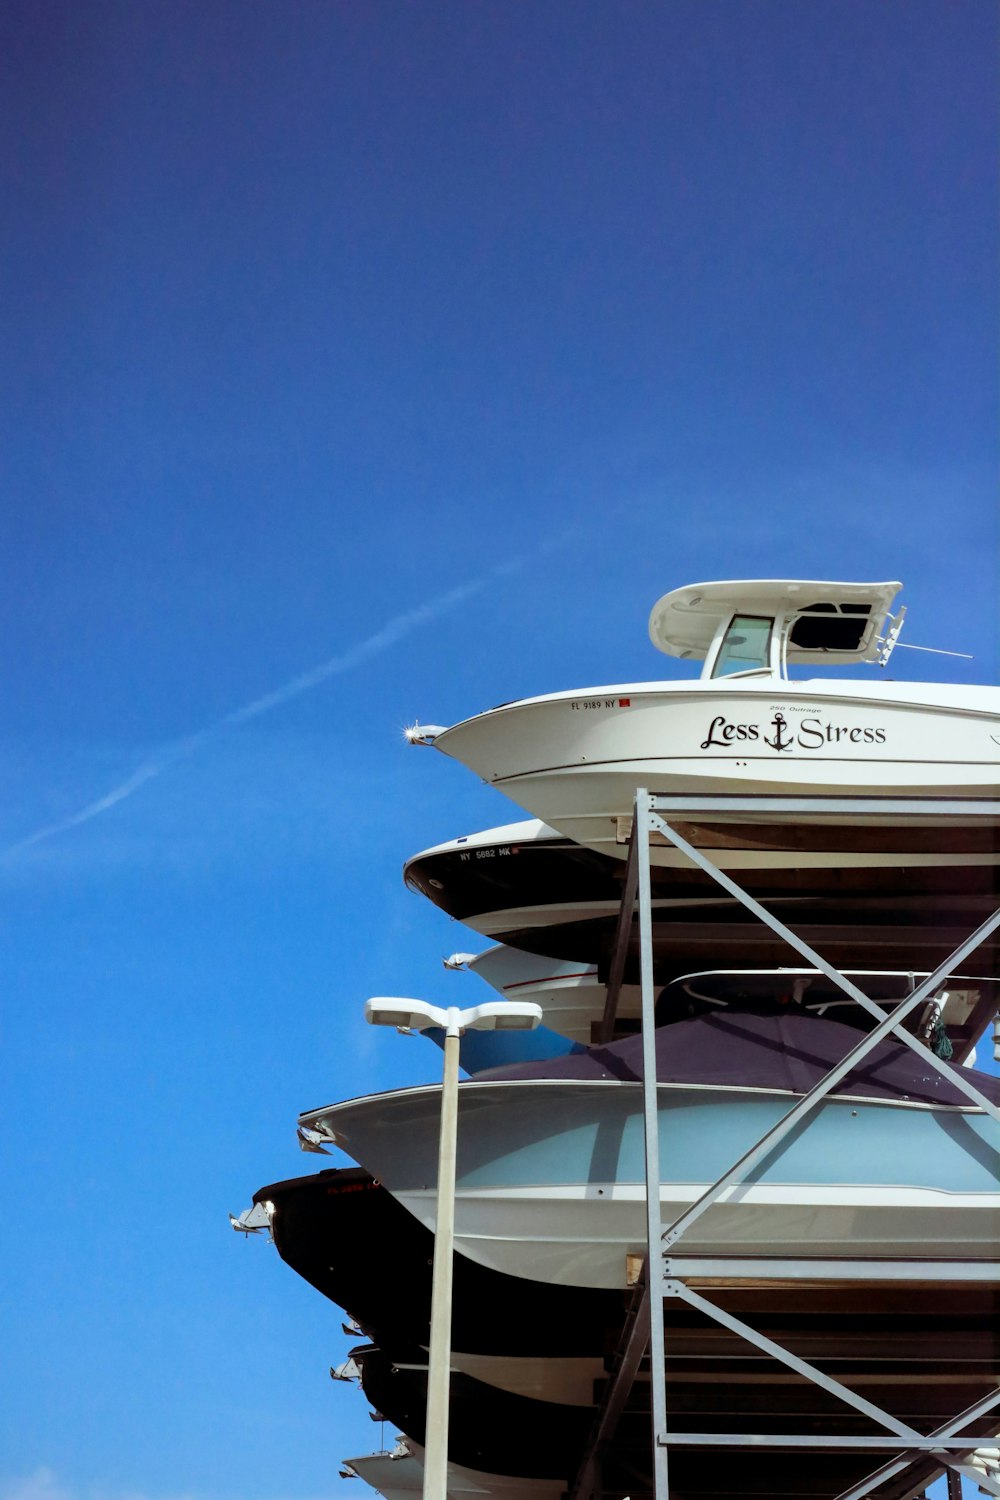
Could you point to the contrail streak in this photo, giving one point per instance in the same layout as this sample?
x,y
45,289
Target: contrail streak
x,y
398,627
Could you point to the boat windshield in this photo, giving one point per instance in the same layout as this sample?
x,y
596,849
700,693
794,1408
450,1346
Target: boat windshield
x,y
746,645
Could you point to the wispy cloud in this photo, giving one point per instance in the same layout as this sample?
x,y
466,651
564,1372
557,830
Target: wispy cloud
x,y
41,1485
44,1484
171,754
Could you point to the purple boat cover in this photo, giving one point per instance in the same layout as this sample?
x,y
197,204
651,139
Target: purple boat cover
x,y
790,1050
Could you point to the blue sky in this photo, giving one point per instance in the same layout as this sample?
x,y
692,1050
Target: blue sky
x,y
487,323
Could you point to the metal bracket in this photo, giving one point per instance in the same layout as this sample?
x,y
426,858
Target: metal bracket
x,y
641,1327
897,1465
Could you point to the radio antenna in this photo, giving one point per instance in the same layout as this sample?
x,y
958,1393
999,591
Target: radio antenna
x,y
935,650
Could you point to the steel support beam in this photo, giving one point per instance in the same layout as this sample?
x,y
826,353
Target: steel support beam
x,y
651,1134
792,807
645,1322
891,1022
622,931
815,960
888,1471
913,1439
897,1465
640,1331
803,1106
764,1268
628,1357
676,1288
824,1440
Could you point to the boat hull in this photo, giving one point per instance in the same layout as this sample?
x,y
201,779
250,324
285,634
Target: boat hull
x,y
921,1367
550,1174
348,1237
571,995
573,998
401,1477
528,887
576,760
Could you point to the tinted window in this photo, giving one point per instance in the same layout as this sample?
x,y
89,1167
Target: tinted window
x,y
816,629
745,645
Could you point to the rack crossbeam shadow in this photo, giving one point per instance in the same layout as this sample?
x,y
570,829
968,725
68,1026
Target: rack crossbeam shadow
x,y
668,1274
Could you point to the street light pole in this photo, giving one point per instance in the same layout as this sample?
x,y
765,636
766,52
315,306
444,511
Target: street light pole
x,y
417,1015
439,1364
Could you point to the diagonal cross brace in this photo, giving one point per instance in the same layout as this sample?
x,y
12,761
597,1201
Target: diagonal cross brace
x,y
897,1465
674,1288
632,1347
812,957
798,1111
645,821
819,1091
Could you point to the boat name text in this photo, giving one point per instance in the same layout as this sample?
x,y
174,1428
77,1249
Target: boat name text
x,y
807,734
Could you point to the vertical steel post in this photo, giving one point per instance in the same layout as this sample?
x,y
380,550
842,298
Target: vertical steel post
x,y
623,931
439,1363
654,1251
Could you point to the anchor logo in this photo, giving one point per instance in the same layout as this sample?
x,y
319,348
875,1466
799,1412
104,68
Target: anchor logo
x,y
779,742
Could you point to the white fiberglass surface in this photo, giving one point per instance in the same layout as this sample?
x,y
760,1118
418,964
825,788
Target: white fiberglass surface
x,y
524,832
530,1134
684,622
567,1381
562,756
398,1477
570,1238
874,689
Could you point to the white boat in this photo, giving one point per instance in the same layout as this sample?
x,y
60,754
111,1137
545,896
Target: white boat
x,y
399,1475
918,1354
572,996
574,759
550,1181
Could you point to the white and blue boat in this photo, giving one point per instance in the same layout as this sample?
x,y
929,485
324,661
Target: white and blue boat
x,y
550,1182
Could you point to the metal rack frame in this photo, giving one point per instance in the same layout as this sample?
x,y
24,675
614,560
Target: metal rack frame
x,y
673,1272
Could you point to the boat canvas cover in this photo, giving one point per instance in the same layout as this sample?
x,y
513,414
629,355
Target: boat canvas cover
x,y
791,1051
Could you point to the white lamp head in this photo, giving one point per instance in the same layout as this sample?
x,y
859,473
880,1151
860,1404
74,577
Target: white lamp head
x,y
396,1010
417,1015
502,1015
